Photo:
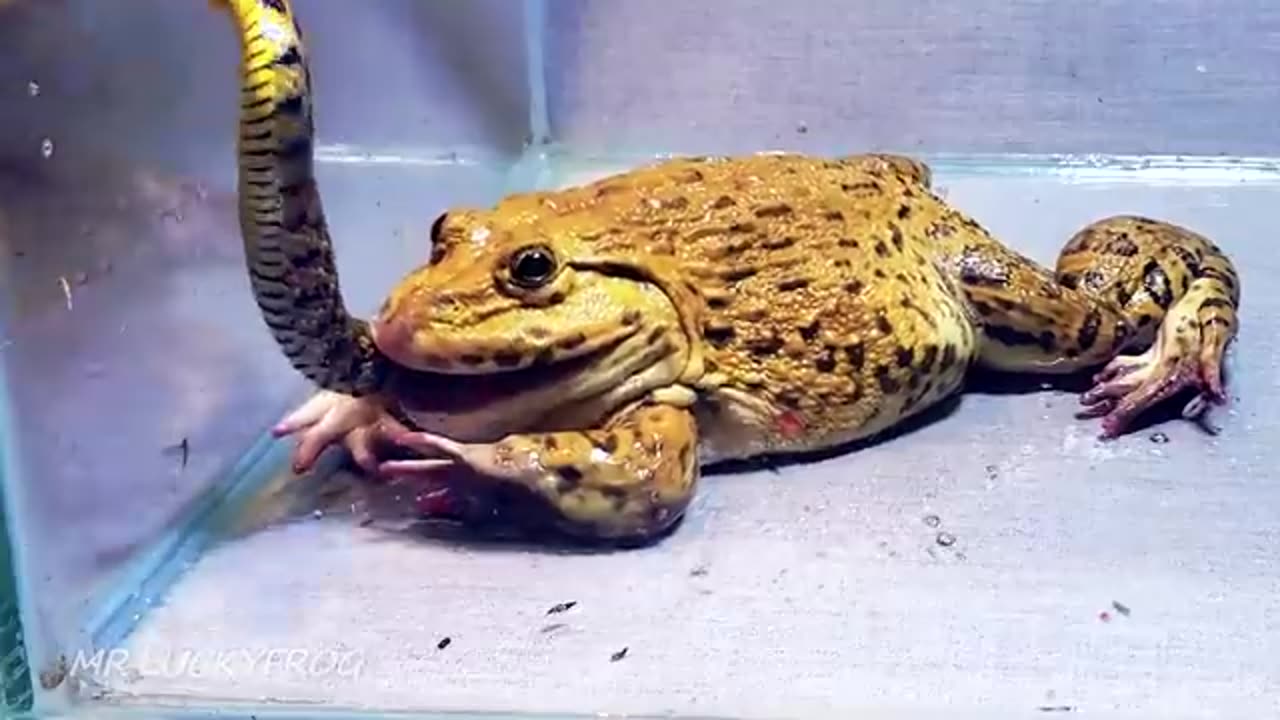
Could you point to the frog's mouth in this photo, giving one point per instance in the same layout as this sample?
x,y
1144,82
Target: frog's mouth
x,y
429,392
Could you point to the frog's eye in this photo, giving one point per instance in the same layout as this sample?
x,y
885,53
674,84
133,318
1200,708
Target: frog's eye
x,y
532,267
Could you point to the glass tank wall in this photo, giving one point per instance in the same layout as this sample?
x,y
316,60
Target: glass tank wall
x,y
995,557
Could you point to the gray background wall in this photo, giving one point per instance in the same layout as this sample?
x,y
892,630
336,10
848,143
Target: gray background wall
x,y
1044,76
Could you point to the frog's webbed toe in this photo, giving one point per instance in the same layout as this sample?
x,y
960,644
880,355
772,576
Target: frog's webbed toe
x,y
361,425
1187,354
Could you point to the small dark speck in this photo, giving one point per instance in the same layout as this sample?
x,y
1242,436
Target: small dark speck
x,y
1104,616
183,449
554,627
946,539
802,128
700,571
1121,608
1159,438
562,607
1056,708
618,655
444,643
992,472
932,521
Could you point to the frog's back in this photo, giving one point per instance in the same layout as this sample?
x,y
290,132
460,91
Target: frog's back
x,y
815,293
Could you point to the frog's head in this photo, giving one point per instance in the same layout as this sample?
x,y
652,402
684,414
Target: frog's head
x,y
518,313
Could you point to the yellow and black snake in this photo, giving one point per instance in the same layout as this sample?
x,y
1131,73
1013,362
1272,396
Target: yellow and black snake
x,y
286,238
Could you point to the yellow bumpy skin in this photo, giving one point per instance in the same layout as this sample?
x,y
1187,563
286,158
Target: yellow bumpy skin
x,y
594,346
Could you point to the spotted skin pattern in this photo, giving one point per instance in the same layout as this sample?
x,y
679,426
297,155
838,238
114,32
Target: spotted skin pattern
x,y
595,346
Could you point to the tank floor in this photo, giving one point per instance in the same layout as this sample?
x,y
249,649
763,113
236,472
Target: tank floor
x,y
996,557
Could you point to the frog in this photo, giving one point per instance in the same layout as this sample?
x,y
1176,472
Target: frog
x,y
598,346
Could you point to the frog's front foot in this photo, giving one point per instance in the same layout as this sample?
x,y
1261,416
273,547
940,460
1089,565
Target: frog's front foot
x,y
1187,354
362,425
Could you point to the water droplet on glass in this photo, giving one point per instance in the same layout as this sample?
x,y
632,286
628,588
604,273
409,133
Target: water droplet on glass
x,y
932,521
946,539
46,148
33,88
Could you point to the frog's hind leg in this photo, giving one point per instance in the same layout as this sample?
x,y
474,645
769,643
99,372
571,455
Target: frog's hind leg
x,y
903,166
1179,293
629,480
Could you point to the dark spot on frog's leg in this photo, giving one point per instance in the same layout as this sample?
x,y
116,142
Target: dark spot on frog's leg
x,y
853,287
1190,260
983,309
1145,319
689,176
615,495
857,355
833,215
556,298
631,317
655,335
722,202
718,335
1088,334
550,442
1070,281
718,302
572,342
1226,278
826,362
538,333
847,243
608,443
809,332
881,249
1156,282
736,274
1122,245
569,478
277,5
895,235
928,357
789,398
775,210
888,384
471,359
883,324
1123,295
905,356
765,347
507,358
792,284
879,273
1047,340
1215,302
904,211
1012,337
948,357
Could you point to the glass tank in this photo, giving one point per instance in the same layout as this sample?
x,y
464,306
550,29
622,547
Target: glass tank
x,y
970,545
